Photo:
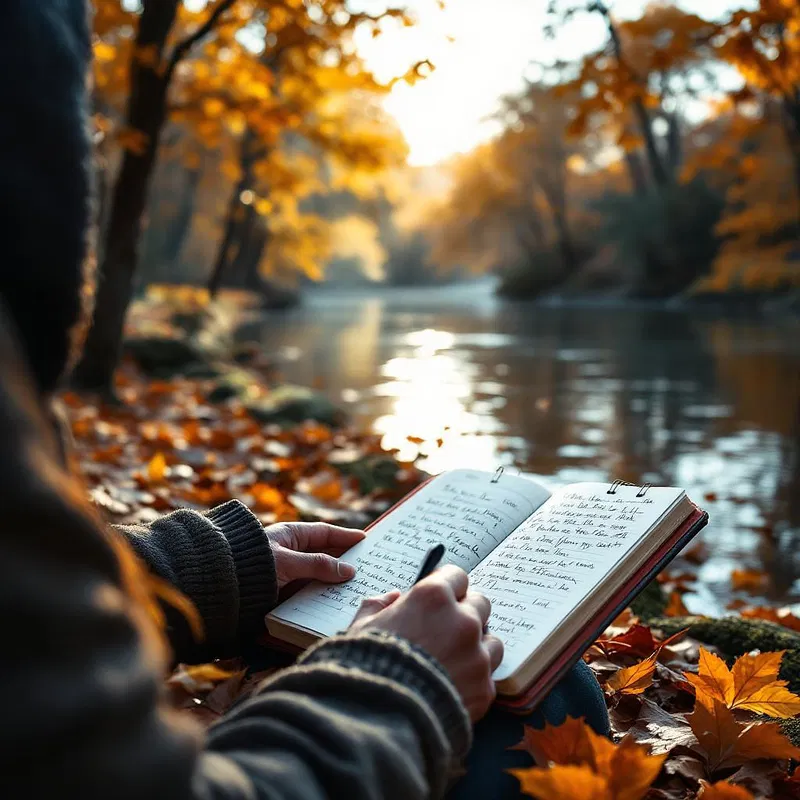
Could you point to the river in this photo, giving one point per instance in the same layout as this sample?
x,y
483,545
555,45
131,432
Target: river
x,y
690,399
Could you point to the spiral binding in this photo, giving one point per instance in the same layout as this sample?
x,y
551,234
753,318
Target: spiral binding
x,y
612,489
642,489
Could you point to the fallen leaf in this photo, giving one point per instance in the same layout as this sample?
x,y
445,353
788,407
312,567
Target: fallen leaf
x,y
659,730
637,641
780,616
563,783
749,580
633,770
723,790
728,743
225,694
635,679
157,468
714,680
558,744
195,679
675,606
752,684
585,764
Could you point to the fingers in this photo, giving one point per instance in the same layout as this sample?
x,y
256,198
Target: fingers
x,y
373,605
481,605
453,577
495,649
317,536
317,566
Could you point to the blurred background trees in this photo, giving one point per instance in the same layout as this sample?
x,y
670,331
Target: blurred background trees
x,y
245,144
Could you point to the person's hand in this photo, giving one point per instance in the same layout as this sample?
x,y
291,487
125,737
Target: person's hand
x,y
310,550
446,620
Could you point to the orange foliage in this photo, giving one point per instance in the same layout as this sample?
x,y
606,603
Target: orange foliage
x,y
635,679
585,765
752,684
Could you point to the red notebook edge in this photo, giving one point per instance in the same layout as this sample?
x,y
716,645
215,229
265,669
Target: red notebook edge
x,y
524,704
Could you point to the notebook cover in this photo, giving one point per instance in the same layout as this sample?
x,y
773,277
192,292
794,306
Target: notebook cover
x,y
524,704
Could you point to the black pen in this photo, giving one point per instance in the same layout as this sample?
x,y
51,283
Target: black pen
x,y
430,562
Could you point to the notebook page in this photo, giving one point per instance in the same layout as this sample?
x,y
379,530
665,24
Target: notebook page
x,y
558,556
463,509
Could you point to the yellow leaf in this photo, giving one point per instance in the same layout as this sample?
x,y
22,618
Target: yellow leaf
x,y
157,468
713,681
753,684
563,783
635,679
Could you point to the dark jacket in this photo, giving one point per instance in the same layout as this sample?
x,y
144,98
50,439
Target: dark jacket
x,y
81,672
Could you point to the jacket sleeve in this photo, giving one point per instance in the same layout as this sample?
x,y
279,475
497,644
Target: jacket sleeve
x,y
361,717
222,561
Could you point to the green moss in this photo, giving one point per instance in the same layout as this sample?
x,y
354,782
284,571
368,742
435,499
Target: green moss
x,y
791,727
650,603
735,636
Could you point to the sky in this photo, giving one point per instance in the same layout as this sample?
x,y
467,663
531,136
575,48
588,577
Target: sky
x,y
482,50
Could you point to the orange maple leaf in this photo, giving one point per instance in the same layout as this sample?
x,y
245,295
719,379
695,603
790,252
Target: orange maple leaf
x,y
722,790
585,764
632,770
635,679
728,743
563,744
562,782
752,684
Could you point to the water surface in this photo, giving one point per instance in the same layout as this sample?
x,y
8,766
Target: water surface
x,y
695,400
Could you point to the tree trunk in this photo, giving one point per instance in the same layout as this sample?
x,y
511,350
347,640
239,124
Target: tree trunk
x,y
565,244
657,168
791,127
637,172
225,251
250,152
179,231
251,258
146,114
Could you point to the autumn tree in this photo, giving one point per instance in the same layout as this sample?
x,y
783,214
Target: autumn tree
x,y
632,85
164,58
509,205
763,43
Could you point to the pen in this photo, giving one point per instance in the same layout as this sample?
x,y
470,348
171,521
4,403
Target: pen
x,y
431,561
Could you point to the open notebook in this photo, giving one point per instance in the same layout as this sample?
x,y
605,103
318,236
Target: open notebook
x,y
557,567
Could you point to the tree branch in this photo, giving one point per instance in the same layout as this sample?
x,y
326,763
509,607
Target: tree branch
x,y
183,47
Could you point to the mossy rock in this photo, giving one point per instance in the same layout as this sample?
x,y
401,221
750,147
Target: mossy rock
x,y
164,356
235,382
373,472
290,405
650,602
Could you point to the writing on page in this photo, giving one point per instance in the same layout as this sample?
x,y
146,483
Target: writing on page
x,y
554,559
464,510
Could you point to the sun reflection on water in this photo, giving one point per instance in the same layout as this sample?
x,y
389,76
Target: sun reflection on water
x,y
433,411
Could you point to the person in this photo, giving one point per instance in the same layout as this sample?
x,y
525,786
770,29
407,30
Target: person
x,y
384,710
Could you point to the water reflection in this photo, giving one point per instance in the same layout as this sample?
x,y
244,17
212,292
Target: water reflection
x,y
641,395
